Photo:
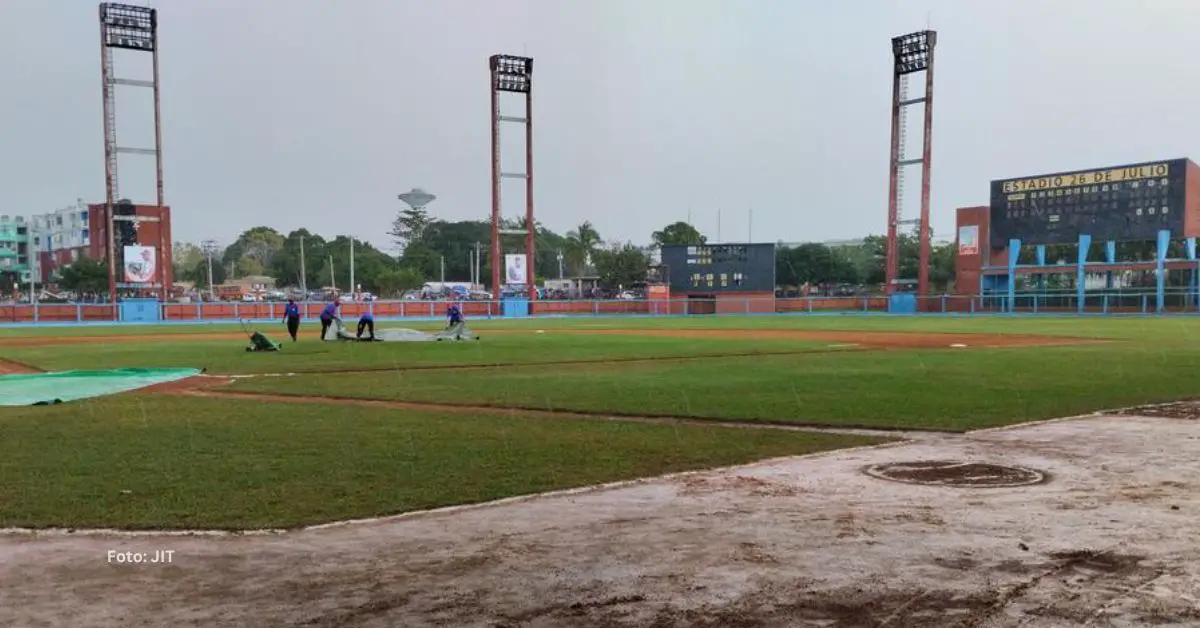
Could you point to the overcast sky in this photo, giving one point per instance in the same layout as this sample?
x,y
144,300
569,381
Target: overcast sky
x,y
316,113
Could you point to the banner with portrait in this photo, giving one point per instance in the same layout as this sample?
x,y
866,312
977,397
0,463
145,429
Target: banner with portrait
x,y
140,264
514,269
968,240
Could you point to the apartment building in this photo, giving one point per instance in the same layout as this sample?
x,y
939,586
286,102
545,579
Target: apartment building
x,y
60,237
16,249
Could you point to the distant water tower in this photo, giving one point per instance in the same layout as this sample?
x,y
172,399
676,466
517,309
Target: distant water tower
x,y
417,198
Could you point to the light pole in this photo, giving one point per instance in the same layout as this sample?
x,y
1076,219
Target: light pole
x,y
560,265
209,247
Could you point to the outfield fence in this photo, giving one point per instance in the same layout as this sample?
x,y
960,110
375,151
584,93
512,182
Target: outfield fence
x,y
1110,303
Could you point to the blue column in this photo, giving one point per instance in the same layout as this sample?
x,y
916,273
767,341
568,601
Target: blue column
x,y
1110,257
1160,257
1014,253
1085,243
1191,255
1041,261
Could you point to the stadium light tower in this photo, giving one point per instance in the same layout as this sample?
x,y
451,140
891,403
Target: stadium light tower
x,y
129,27
514,75
911,53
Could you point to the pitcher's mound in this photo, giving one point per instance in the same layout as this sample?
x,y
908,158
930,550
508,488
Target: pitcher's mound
x,y
956,473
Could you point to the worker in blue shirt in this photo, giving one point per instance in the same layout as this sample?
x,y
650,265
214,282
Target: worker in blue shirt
x,y
328,315
366,321
291,317
454,317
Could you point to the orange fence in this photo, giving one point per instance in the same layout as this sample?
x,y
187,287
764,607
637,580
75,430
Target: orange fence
x,y
67,313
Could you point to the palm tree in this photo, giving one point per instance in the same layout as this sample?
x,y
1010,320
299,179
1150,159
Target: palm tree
x,y
581,242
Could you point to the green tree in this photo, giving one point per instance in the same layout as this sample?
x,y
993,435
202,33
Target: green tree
x,y
184,257
454,241
249,266
369,262
257,243
579,246
678,233
394,282
198,273
410,226
621,266
84,276
286,266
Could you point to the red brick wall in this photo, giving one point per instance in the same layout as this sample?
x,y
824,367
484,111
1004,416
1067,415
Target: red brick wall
x,y
746,303
148,235
1191,201
967,268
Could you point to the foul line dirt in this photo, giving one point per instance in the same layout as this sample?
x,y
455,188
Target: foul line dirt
x,y
12,367
198,387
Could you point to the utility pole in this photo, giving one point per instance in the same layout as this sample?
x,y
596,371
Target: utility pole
x,y
560,265
443,272
303,273
478,271
332,279
209,246
353,286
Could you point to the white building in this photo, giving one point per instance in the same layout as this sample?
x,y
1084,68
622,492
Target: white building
x,y
60,237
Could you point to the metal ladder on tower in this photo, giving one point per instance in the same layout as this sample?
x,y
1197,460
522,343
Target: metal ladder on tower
x,y
110,120
900,221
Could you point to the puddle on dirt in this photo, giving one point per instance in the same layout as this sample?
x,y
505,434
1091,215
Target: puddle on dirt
x,y
956,473
1182,410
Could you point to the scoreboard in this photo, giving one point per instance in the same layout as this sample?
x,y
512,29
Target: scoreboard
x,y
712,268
1122,203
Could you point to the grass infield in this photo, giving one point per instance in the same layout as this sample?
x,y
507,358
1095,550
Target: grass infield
x,y
150,462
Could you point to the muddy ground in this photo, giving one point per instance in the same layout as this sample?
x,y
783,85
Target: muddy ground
x,y
1108,539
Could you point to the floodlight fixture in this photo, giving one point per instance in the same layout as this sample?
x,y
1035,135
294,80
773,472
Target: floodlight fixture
x,y
913,52
512,74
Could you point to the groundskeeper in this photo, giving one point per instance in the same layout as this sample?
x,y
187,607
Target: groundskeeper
x,y
454,317
367,322
291,318
330,314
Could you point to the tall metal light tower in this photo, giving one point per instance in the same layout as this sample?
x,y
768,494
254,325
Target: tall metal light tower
x,y
128,27
512,74
911,53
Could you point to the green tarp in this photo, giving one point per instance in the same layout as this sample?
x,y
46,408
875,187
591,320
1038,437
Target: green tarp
x,y
45,388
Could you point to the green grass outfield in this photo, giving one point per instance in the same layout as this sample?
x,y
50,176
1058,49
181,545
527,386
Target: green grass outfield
x,y
220,462
155,462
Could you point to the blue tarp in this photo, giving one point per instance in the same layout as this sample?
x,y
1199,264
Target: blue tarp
x,y
45,388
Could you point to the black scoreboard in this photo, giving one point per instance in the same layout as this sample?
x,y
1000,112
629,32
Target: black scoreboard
x,y
712,268
1122,203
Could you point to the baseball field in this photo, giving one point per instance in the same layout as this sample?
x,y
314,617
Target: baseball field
x,y
732,471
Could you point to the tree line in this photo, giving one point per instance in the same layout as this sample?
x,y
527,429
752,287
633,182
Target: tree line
x,y
429,248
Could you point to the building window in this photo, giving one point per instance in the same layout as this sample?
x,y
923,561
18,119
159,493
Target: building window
x,y
84,234
74,254
58,220
83,215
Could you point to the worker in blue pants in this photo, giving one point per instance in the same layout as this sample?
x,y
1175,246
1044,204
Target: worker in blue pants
x,y
366,322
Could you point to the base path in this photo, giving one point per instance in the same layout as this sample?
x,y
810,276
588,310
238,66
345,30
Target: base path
x,y
9,367
874,339
1107,540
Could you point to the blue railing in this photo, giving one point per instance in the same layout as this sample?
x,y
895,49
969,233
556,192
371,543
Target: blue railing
x,y
991,303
